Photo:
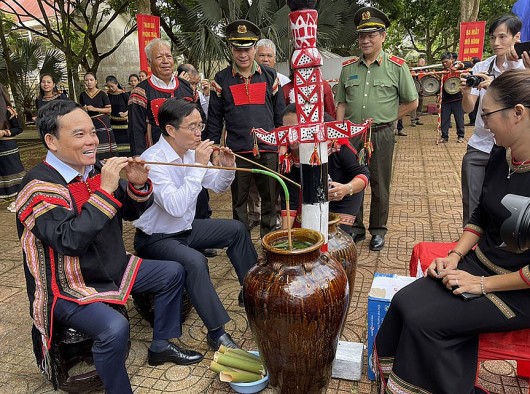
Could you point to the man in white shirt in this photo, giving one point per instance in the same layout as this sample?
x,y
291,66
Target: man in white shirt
x,y
168,227
504,32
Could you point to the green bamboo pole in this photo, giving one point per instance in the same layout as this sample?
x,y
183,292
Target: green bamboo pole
x,y
243,353
218,368
239,377
235,362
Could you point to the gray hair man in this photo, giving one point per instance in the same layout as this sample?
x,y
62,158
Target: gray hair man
x,y
149,95
266,55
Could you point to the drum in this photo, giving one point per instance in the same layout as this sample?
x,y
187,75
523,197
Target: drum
x,y
452,85
417,84
430,85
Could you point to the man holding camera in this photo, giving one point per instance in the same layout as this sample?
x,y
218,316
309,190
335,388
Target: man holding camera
x,y
504,32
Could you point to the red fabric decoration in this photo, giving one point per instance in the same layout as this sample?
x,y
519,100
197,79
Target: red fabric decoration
x,y
81,191
249,93
155,107
314,160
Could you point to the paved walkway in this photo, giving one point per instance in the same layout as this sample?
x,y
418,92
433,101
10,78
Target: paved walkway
x,y
425,206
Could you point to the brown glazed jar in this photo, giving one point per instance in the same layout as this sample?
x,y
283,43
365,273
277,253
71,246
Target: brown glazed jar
x,y
296,301
342,247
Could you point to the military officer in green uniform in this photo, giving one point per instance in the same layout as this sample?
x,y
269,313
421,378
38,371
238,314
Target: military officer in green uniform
x,y
377,86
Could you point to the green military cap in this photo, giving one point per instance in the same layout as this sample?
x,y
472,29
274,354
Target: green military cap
x,y
242,33
368,19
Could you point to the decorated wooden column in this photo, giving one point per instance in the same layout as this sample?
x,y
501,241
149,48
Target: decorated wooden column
x,y
312,132
309,100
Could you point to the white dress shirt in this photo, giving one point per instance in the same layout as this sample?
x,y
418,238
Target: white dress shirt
x,y
482,138
161,84
284,80
176,189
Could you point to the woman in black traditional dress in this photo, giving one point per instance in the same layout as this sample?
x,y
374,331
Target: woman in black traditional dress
x,y
48,91
97,104
428,341
11,168
134,80
119,99
347,179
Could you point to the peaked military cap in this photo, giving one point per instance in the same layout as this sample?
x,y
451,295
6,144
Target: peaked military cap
x,y
368,19
242,33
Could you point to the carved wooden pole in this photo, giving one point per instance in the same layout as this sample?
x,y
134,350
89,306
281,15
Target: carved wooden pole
x,y
309,100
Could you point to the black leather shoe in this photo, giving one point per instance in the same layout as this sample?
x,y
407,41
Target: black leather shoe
x,y
240,299
377,242
174,354
358,237
224,339
209,252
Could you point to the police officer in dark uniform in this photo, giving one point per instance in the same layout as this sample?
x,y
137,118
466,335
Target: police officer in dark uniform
x,y
244,96
378,86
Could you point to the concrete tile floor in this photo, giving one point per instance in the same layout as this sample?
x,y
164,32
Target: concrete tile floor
x,y
425,206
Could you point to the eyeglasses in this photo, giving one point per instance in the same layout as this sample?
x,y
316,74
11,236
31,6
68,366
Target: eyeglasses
x,y
195,127
484,115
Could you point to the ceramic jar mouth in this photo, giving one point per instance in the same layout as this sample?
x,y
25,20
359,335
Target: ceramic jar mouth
x,y
333,219
301,234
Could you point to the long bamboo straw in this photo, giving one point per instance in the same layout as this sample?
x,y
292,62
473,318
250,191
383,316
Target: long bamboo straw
x,y
259,165
161,163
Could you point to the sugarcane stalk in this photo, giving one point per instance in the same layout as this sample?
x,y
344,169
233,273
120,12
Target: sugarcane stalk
x,y
239,377
218,368
235,362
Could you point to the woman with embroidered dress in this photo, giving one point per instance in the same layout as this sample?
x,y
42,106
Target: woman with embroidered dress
x,y
11,168
119,99
48,91
97,104
428,341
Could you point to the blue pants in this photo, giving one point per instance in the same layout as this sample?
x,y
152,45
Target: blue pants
x,y
183,247
455,108
110,329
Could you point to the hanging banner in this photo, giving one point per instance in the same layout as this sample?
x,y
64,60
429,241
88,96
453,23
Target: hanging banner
x,y
471,40
148,29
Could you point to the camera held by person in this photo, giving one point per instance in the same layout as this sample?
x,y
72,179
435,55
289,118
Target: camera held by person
x,y
515,230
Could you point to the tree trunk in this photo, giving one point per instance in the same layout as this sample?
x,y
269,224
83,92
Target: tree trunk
x,y
6,53
144,7
469,10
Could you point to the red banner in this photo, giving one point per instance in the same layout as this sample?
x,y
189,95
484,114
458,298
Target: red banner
x,y
471,40
148,29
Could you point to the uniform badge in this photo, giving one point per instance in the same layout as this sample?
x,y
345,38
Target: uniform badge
x,y
366,15
241,29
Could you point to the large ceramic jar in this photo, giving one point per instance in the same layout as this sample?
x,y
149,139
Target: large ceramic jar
x,y
296,301
342,247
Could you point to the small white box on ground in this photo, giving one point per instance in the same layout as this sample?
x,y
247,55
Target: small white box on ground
x,y
348,361
383,289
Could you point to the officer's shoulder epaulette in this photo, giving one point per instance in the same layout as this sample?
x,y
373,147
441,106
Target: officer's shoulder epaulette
x,y
349,61
396,60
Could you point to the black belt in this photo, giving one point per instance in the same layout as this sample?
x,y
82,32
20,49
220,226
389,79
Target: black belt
x,y
380,126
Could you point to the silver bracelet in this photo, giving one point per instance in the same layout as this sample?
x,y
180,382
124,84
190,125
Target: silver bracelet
x,y
482,285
